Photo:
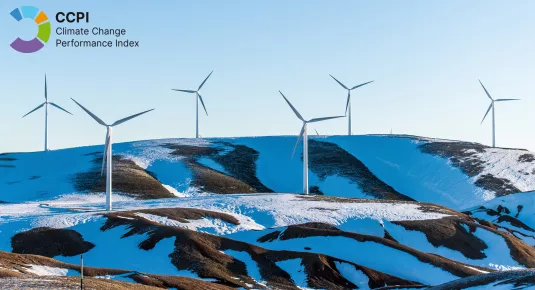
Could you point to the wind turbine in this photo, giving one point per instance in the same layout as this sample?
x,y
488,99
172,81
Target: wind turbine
x,y
198,97
45,104
492,107
348,104
304,135
107,157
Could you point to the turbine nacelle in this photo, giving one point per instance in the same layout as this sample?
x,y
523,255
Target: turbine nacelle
x,y
45,104
107,158
348,107
492,106
196,92
305,122
492,101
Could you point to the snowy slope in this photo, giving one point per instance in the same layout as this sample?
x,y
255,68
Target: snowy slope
x,y
398,164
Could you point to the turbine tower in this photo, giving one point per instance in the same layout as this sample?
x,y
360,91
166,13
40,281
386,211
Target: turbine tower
x,y
198,97
348,104
492,105
107,157
45,104
303,134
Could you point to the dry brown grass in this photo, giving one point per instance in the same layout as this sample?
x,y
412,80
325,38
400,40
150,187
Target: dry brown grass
x,y
128,178
50,242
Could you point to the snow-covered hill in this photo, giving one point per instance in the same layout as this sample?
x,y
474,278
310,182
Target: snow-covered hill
x,y
386,212
454,174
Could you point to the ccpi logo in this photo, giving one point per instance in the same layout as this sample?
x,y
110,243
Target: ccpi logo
x,y
43,34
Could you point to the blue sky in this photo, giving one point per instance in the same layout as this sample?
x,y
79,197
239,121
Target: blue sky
x,y
425,58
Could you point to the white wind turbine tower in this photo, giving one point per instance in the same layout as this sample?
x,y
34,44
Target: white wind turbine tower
x,y
198,97
45,104
107,157
348,104
493,116
304,135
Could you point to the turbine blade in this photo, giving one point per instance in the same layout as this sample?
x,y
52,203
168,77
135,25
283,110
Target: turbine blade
x,y
38,107
488,95
204,81
348,98
503,100
106,148
129,118
298,139
46,90
317,132
323,119
339,82
60,108
361,85
202,103
185,91
293,109
90,114
488,110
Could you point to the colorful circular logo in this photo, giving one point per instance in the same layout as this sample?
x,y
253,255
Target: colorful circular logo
x,y
43,34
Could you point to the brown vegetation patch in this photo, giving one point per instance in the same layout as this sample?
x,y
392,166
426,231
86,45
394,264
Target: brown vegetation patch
x,y
191,150
519,279
202,253
211,180
327,159
449,232
15,265
184,214
526,158
500,186
239,163
128,178
319,229
514,222
50,242
463,155
181,283
48,282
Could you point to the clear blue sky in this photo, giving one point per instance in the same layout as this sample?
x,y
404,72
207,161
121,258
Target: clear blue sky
x,y
425,58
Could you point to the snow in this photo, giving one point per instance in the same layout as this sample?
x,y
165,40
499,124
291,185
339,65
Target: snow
x,y
296,271
365,226
112,250
505,164
353,275
250,264
206,225
41,270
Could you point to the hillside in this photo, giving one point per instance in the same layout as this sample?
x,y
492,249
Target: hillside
x,y
398,211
